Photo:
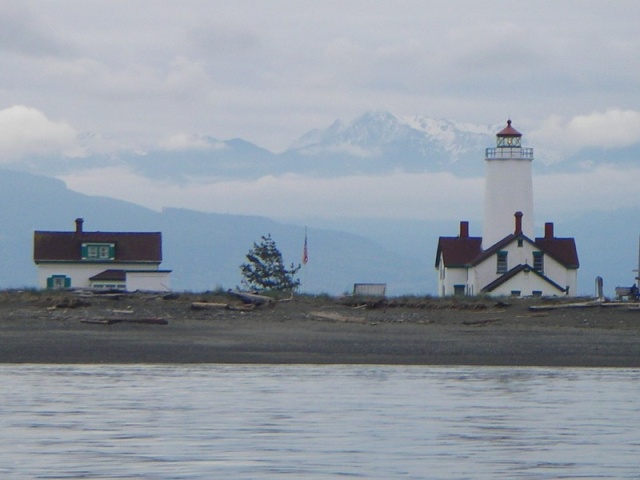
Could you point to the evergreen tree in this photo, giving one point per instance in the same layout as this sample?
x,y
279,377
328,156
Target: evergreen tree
x,y
265,269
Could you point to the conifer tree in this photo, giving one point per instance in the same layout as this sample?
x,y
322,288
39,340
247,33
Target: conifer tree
x,y
265,271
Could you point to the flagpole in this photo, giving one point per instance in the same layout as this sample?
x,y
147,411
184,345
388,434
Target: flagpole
x,y
305,260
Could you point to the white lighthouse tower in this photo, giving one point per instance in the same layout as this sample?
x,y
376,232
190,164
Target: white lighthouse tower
x,y
508,187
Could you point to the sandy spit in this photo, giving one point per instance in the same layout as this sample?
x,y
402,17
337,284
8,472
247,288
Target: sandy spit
x,y
68,328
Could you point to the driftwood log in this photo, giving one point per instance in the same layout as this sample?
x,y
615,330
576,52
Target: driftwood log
x,y
565,305
111,321
221,306
209,306
252,298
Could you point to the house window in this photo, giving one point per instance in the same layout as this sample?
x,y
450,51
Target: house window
x,y
538,262
501,263
98,251
109,286
520,242
58,281
459,289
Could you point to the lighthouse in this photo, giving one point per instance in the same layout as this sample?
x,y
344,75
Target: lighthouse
x,y
508,187
507,260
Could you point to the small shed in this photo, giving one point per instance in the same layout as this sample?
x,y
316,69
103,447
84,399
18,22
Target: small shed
x,y
369,289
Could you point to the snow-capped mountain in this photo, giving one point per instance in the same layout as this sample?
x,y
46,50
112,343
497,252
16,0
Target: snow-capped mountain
x,y
376,142
381,141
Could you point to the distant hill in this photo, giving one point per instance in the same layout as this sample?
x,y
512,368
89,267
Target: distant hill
x,y
203,250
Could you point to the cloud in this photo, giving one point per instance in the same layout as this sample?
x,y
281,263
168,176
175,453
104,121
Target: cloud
x,y
426,196
224,39
27,131
23,32
613,128
348,148
605,188
143,70
289,196
186,141
508,48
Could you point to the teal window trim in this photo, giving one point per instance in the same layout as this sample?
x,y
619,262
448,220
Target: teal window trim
x,y
98,251
58,281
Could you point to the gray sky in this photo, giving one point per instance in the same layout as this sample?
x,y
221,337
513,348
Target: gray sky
x,y
83,76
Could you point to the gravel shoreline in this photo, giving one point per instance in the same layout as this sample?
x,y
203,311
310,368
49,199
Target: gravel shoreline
x,y
64,328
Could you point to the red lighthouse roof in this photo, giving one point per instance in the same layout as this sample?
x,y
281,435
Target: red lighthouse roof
x,y
508,131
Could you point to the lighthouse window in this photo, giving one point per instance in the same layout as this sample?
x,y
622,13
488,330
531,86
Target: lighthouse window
x,y
501,264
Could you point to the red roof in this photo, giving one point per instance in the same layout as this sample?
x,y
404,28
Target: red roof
x,y
130,247
467,251
562,249
458,251
111,274
508,131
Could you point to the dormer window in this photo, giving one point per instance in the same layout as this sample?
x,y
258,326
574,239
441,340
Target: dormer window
x,y
99,251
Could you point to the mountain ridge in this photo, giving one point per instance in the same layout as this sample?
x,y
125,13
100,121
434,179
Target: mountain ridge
x,y
376,142
204,250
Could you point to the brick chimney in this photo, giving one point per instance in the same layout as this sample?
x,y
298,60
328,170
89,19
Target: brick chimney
x,y
464,229
79,222
518,216
548,230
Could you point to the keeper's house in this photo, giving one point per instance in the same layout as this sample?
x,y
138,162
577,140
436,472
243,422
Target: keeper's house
x,y
100,260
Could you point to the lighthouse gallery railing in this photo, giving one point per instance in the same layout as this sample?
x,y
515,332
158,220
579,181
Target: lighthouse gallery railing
x,y
509,152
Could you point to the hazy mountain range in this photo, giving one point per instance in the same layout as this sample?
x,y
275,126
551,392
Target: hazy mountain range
x,y
376,142
205,250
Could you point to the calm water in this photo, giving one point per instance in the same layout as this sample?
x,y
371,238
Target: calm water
x,y
317,422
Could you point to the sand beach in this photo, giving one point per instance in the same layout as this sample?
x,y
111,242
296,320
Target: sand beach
x,y
73,328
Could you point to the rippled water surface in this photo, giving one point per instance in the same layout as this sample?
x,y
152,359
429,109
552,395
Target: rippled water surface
x,y
318,422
